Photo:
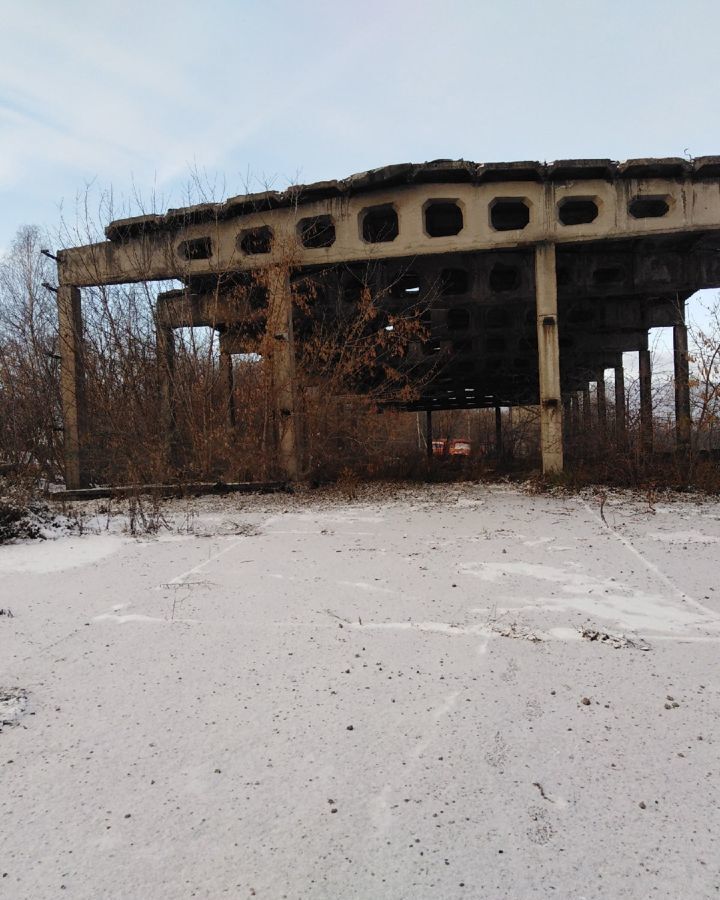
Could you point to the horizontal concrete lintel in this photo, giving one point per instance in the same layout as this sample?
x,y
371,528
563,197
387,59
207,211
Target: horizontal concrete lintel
x,y
159,253
442,171
186,310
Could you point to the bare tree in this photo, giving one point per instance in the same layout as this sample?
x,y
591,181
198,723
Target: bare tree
x,y
30,418
705,382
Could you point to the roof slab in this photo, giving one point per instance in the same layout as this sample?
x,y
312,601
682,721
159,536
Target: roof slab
x,y
633,240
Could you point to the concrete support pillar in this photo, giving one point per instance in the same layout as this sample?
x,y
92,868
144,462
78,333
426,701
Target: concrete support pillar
x,y
646,410
586,409
566,418
428,435
227,387
551,436
281,351
72,385
575,413
165,344
601,404
310,420
683,421
498,433
620,420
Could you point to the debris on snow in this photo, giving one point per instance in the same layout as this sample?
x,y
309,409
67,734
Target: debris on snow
x,y
13,703
340,618
514,630
542,792
616,641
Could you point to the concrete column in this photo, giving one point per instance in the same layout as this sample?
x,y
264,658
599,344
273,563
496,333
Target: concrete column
x,y
683,421
551,437
428,435
620,423
601,403
646,411
281,351
227,387
72,385
575,413
566,418
586,409
498,433
165,347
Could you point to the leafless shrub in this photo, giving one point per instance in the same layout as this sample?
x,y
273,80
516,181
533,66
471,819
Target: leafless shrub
x,y
348,483
145,514
22,515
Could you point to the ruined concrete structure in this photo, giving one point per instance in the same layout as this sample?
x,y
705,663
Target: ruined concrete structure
x,y
538,277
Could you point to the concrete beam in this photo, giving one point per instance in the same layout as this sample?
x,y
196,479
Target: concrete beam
x,y
238,342
184,309
551,436
185,246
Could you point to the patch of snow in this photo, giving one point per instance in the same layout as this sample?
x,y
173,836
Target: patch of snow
x,y
388,712
58,555
130,617
366,586
684,537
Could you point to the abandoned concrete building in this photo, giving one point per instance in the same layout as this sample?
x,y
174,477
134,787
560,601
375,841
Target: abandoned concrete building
x,y
538,277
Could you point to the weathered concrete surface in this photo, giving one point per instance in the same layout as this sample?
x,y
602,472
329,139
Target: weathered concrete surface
x,y
549,359
146,247
281,350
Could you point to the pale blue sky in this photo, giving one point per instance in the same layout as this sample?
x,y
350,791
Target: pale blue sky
x,y
139,92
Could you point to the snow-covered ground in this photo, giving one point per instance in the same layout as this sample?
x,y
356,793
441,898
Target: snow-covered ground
x,y
389,697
